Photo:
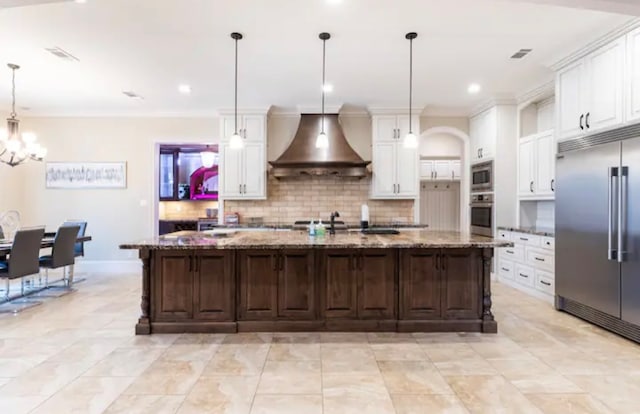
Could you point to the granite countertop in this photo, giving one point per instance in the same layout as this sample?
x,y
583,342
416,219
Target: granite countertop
x,y
540,231
300,239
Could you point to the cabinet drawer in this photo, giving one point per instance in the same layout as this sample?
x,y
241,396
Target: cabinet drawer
x,y
526,239
505,269
545,282
540,259
525,275
548,243
504,235
512,253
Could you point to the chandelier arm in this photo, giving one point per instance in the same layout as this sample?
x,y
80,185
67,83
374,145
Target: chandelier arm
x,y
13,93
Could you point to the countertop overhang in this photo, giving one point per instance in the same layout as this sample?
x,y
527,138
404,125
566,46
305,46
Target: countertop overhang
x,y
422,239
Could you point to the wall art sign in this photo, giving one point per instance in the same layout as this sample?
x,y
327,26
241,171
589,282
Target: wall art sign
x,y
86,175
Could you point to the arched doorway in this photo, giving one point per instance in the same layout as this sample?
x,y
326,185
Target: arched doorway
x,y
464,198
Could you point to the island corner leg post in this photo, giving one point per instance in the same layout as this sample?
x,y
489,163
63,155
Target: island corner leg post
x,y
489,324
143,327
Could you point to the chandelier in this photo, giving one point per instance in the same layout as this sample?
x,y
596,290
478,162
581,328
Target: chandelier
x,y
16,148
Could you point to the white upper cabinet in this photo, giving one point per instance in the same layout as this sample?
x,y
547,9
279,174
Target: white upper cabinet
x,y
590,92
395,168
569,94
526,172
250,127
633,76
243,171
483,134
443,170
536,166
605,86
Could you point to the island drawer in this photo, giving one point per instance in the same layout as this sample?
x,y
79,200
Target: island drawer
x,y
540,258
549,243
545,282
526,239
512,253
506,269
525,275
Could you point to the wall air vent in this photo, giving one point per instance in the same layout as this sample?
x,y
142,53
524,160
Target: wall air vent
x,y
132,95
62,54
521,53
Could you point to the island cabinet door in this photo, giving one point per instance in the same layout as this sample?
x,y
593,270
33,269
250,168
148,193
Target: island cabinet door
x,y
338,278
258,274
213,287
296,285
377,287
172,285
462,283
420,284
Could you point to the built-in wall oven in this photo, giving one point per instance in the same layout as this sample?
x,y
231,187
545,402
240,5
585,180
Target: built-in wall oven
x,y
482,214
482,177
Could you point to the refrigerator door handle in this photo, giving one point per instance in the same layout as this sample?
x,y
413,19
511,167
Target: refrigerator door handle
x,y
612,254
622,213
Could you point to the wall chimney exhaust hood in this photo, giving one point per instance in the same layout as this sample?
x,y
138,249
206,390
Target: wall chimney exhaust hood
x,y
303,158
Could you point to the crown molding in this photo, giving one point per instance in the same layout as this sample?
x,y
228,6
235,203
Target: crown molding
x,y
382,110
445,112
121,114
538,93
490,103
596,44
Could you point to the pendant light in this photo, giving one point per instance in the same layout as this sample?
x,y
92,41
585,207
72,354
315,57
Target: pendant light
x,y
410,141
322,141
208,157
236,141
16,148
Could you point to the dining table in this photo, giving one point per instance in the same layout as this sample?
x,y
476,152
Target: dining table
x,y
47,241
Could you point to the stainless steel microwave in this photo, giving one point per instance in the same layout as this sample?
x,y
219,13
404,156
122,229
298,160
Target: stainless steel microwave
x,y
482,177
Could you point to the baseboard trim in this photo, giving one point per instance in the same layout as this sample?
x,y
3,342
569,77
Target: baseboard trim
x,y
108,266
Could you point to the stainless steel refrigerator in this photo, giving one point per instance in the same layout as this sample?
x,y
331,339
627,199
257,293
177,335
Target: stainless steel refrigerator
x,y
598,229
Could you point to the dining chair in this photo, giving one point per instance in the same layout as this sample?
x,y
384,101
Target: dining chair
x,y
63,252
23,259
79,246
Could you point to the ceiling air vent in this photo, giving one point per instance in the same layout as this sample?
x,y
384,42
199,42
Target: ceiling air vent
x,y
62,54
132,95
521,53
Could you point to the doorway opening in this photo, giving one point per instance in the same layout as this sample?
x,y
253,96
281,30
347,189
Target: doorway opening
x,y
443,202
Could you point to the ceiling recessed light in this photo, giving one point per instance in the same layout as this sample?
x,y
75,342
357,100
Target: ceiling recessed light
x,y
474,88
327,87
184,89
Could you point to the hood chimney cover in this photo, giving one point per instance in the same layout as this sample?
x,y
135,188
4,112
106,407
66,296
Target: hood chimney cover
x,y
303,158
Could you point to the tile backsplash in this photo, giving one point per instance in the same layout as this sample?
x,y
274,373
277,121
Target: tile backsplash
x,y
184,210
305,198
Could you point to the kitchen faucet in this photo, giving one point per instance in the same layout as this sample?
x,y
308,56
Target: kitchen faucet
x,y
332,229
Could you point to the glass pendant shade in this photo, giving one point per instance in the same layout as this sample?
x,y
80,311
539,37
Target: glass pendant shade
x,y
236,141
322,141
208,158
410,140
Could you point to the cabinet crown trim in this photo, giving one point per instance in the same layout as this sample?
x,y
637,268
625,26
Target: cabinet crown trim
x,y
596,44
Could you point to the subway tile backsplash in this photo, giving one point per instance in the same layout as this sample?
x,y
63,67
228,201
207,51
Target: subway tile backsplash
x,y
307,198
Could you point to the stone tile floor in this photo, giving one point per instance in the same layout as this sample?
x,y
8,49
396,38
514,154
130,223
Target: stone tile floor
x,y
78,354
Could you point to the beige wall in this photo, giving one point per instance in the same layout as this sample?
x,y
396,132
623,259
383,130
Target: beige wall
x,y
461,123
114,216
11,187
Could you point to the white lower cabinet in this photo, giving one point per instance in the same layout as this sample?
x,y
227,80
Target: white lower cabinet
x,y
528,265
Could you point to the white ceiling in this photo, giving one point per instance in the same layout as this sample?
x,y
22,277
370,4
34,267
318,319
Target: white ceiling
x,y
150,46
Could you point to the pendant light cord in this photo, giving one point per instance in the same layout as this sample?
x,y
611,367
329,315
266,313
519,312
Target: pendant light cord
x,y
410,83
13,94
324,47
235,105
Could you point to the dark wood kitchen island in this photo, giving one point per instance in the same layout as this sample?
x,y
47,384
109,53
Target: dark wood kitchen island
x,y
415,281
